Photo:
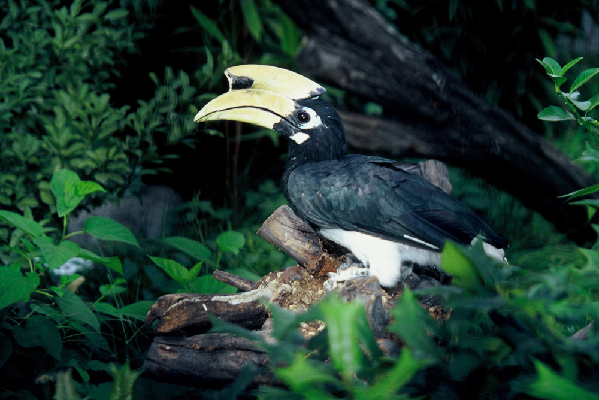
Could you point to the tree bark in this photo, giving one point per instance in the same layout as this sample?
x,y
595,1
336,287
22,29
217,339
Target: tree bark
x,y
429,112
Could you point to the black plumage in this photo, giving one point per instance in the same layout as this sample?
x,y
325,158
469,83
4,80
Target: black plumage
x,y
371,195
389,217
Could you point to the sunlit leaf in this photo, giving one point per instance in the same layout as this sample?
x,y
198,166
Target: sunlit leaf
x,y
549,385
569,65
583,77
27,225
230,241
555,113
108,229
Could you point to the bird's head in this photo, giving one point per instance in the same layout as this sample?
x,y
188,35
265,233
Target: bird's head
x,y
285,101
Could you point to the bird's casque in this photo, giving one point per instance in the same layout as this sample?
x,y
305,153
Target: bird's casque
x,y
388,217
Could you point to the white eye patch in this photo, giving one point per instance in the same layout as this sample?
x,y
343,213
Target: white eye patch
x,y
313,121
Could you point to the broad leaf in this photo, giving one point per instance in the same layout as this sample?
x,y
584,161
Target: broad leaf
x,y
27,225
455,263
594,102
414,325
208,284
551,386
175,270
63,185
191,247
39,331
230,241
569,65
341,320
137,310
73,307
56,255
583,77
555,113
14,286
108,229
386,386
113,263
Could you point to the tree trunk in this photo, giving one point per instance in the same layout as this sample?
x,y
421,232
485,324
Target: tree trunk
x,y
431,113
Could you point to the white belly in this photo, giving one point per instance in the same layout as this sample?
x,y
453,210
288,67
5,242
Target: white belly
x,y
383,257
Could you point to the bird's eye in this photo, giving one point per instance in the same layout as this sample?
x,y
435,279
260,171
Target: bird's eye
x,y
303,117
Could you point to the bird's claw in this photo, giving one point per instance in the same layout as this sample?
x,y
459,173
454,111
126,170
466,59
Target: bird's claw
x,y
345,272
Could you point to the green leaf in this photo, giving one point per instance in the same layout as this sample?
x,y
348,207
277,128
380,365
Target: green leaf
x,y
40,331
116,14
386,386
86,187
209,26
108,229
455,263
252,18
555,113
573,97
414,325
341,320
549,385
230,241
551,66
27,225
583,77
14,286
209,284
305,376
594,102
191,247
175,270
63,186
113,263
569,65
73,307
137,310
581,192
56,255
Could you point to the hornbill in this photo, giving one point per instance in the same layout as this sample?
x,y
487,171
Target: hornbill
x,y
388,217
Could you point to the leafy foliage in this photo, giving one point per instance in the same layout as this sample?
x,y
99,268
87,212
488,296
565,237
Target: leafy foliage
x,y
58,64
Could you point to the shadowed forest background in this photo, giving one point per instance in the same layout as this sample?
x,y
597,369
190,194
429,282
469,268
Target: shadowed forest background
x,y
109,89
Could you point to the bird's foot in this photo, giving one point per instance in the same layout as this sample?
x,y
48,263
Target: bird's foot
x,y
345,272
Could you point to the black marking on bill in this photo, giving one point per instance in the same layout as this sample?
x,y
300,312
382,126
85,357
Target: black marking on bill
x,y
241,82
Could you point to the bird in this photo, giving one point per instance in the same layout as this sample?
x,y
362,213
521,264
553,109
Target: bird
x,y
388,217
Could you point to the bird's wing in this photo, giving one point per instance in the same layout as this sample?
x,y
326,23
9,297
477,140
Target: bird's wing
x,y
380,197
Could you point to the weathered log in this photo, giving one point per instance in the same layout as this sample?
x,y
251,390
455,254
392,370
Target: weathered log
x,y
210,361
429,112
190,313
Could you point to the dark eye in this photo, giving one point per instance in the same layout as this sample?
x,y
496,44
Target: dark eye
x,y
303,117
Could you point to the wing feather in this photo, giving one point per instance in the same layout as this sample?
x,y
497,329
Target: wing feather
x,y
379,197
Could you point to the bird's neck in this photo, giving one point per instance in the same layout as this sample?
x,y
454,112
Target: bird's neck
x,y
315,149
